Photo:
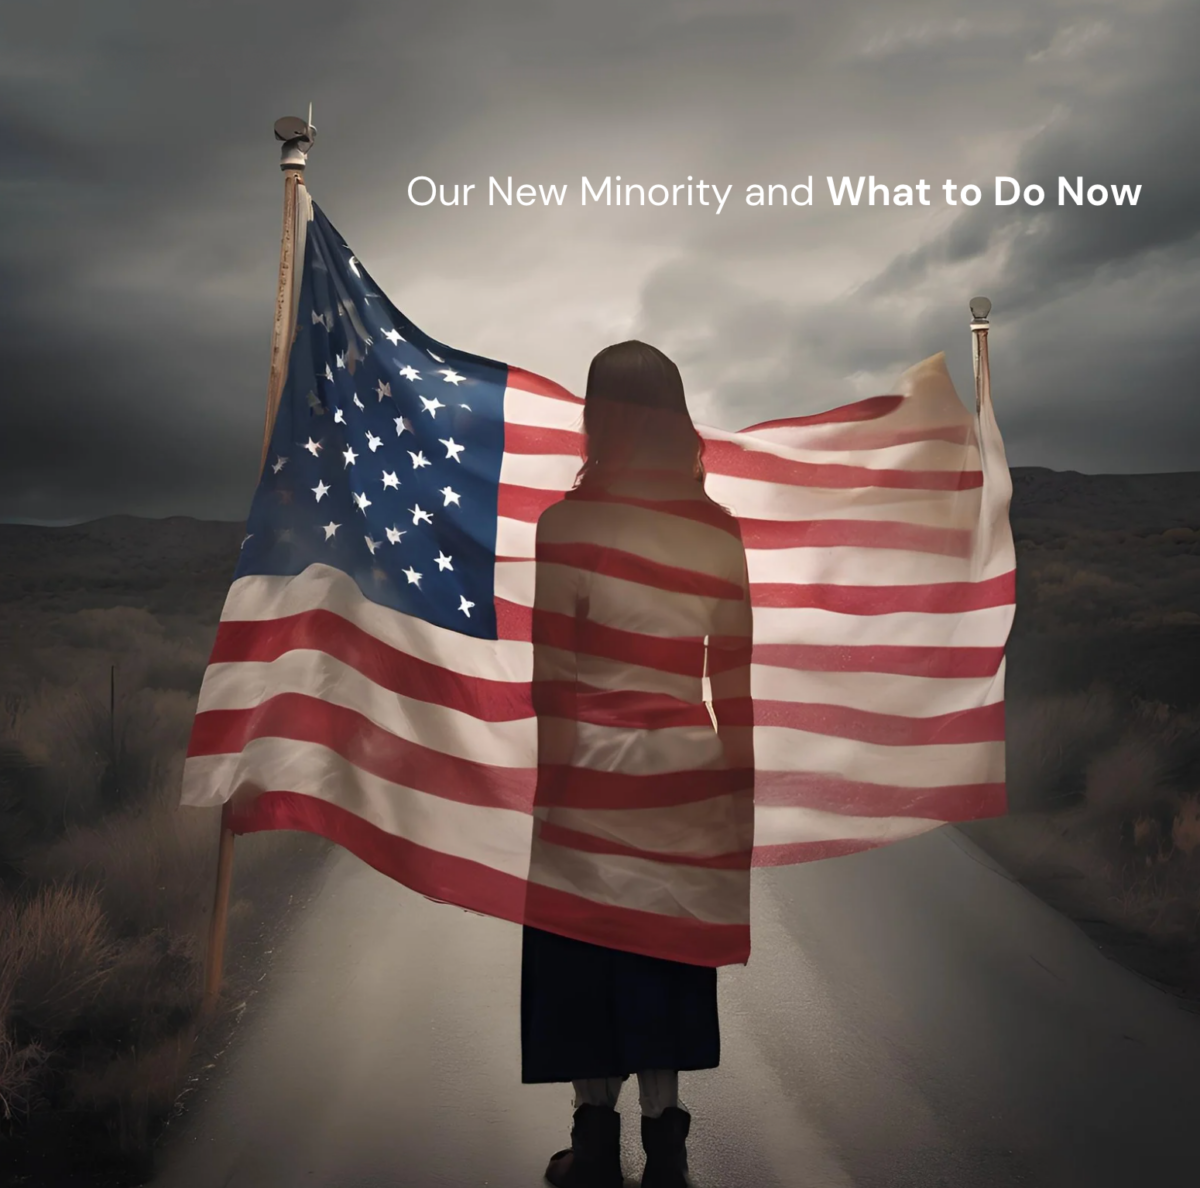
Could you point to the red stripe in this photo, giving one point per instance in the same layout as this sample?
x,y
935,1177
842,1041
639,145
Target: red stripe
x,y
984,723
366,745
538,439
856,798
631,567
471,885
730,458
625,709
323,631
793,852
893,658
942,598
588,843
587,788
703,511
555,629
539,385
861,534
677,938
870,409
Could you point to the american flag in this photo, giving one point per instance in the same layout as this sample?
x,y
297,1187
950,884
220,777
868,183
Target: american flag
x,y
372,670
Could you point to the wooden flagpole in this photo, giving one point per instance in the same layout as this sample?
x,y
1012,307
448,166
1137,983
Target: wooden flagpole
x,y
980,308
297,136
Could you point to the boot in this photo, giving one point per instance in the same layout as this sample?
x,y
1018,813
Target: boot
x,y
666,1156
593,1160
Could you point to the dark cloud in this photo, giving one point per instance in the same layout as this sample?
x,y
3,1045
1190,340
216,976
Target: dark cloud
x,y
141,209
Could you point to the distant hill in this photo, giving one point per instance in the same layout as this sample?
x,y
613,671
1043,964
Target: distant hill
x,y
1137,503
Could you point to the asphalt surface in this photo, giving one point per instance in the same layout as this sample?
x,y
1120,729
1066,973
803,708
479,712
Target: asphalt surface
x,y
909,1017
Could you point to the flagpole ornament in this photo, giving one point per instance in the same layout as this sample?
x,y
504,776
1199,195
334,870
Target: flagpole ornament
x,y
980,308
297,136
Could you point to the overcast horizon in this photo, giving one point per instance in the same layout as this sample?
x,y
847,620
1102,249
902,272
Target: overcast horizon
x,y
142,201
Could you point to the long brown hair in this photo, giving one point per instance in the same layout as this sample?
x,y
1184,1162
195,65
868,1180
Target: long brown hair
x,y
635,394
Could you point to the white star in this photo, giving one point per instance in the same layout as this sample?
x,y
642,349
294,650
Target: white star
x,y
466,406
350,456
390,479
443,562
410,373
318,319
453,449
464,605
452,376
394,534
353,262
451,497
321,490
362,501
339,417
358,403
383,390
373,442
414,578
245,538
312,446
328,372
403,423
372,544
280,463
341,362
393,336
330,529
419,514
431,406
433,356
418,458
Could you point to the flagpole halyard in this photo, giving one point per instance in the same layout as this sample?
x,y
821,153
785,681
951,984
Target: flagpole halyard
x,y
297,136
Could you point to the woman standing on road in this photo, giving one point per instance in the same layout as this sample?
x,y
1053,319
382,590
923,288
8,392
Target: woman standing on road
x,y
645,796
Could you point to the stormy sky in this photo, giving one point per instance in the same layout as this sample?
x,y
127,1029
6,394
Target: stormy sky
x,y
141,201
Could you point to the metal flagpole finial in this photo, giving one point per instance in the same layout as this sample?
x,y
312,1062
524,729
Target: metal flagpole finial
x,y
980,308
297,136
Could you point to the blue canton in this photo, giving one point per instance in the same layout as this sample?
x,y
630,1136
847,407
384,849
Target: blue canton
x,y
385,456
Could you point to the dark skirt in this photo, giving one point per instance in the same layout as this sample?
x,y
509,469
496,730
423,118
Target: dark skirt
x,y
591,1011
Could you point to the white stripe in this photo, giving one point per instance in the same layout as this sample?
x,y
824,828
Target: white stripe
x,y
261,597
917,455
986,627
667,889
756,499
244,685
778,748
544,472
778,826
543,412
498,838
906,696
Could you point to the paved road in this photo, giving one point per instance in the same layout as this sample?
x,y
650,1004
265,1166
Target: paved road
x,y
910,1018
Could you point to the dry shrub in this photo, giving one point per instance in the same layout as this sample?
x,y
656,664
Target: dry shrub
x,y
1049,741
1185,832
92,760
149,870
20,1068
55,952
134,1087
1125,778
